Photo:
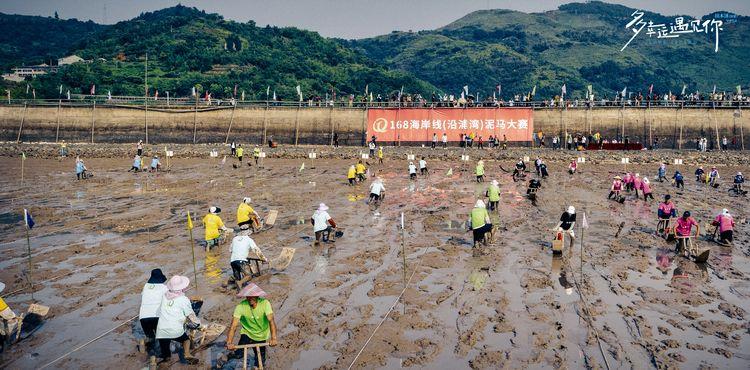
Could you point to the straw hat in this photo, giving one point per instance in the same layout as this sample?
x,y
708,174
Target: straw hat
x,y
177,283
251,290
322,207
618,178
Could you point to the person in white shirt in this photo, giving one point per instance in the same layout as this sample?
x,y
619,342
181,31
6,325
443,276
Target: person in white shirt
x,y
242,245
174,311
434,140
372,148
445,140
323,224
412,171
423,167
151,296
377,190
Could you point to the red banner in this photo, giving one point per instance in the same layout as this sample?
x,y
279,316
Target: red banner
x,y
419,124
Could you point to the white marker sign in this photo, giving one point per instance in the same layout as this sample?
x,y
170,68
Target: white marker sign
x,y
581,160
625,160
677,161
214,153
170,153
262,154
312,155
464,157
526,158
365,156
410,157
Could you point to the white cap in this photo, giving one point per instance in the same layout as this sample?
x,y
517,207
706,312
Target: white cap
x,y
571,210
479,204
246,200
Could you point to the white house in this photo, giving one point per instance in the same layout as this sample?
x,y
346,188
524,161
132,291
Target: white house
x,y
70,59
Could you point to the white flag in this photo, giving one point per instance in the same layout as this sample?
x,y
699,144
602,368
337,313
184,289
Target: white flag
x,y
684,86
370,96
192,92
68,94
367,89
585,223
624,91
243,95
274,95
60,93
299,92
466,89
27,88
156,95
712,93
33,93
564,90
109,95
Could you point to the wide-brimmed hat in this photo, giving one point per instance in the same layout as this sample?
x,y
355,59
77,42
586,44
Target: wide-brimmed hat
x,y
214,210
157,277
618,178
322,207
479,204
178,283
251,290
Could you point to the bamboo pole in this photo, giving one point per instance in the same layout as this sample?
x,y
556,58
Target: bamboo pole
x,y
682,123
296,126
31,266
716,128
192,248
265,119
742,136
403,254
93,120
231,120
23,118
57,130
145,98
330,124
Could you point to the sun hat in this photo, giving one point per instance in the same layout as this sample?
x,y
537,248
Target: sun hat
x,y
251,290
157,277
725,211
177,283
645,179
322,207
571,210
618,178
214,210
479,204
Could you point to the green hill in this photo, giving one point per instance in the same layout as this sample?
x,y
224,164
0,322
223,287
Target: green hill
x,y
577,44
187,47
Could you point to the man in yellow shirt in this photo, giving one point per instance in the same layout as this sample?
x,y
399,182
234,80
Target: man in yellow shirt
x,y
246,215
256,154
360,169
240,152
7,315
212,222
351,175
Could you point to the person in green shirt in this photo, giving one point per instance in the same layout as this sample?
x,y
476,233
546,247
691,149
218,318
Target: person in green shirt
x,y
480,171
480,222
255,315
240,152
493,193
256,154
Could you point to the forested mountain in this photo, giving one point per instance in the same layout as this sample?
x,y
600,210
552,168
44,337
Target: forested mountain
x,y
577,44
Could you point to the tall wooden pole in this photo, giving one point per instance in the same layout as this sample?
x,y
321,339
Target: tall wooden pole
x,y
93,111
145,98
192,247
296,126
265,117
57,130
31,267
195,118
231,120
330,123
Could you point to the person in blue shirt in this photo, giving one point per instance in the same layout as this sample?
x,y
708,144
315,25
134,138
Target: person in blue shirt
x,y
80,169
738,181
155,164
662,172
679,181
136,164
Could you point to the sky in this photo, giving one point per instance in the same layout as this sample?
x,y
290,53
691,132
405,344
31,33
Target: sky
x,y
348,19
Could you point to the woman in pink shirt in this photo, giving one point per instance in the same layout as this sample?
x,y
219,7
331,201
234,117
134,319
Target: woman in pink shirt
x,y
725,222
616,188
626,180
646,188
636,180
684,229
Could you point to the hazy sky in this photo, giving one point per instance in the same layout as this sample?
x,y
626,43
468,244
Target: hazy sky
x,y
341,18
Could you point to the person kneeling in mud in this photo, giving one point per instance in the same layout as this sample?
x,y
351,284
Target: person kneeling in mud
x,y
739,180
174,312
725,223
246,215
213,223
480,223
323,224
377,190
242,245
534,185
679,181
615,189
572,167
543,170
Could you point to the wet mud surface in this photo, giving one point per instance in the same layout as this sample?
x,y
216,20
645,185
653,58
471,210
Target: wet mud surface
x,y
511,304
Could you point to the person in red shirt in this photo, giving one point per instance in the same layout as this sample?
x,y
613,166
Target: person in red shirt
x,y
616,188
646,188
684,229
725,223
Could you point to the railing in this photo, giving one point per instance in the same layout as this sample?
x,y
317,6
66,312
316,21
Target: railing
x,y
199,103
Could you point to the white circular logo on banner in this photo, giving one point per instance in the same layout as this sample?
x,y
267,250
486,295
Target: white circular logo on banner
x,y
380,125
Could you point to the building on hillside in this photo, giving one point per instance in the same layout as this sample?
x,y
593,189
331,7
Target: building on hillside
x,y
30,71
70,59
12,77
